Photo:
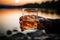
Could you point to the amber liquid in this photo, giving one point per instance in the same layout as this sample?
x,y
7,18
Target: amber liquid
x,y
28,22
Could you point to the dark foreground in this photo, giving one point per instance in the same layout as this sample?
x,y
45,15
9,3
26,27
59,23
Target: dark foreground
x,y
51,34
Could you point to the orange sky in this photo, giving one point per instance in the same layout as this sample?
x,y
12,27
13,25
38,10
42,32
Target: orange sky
x,y
21,2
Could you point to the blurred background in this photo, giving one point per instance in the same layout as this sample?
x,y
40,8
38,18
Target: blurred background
x,y
10,12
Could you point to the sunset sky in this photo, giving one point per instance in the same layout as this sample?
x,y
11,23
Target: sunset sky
x,y
21,2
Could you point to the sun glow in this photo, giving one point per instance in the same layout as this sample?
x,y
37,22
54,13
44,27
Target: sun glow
x,y
17,1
